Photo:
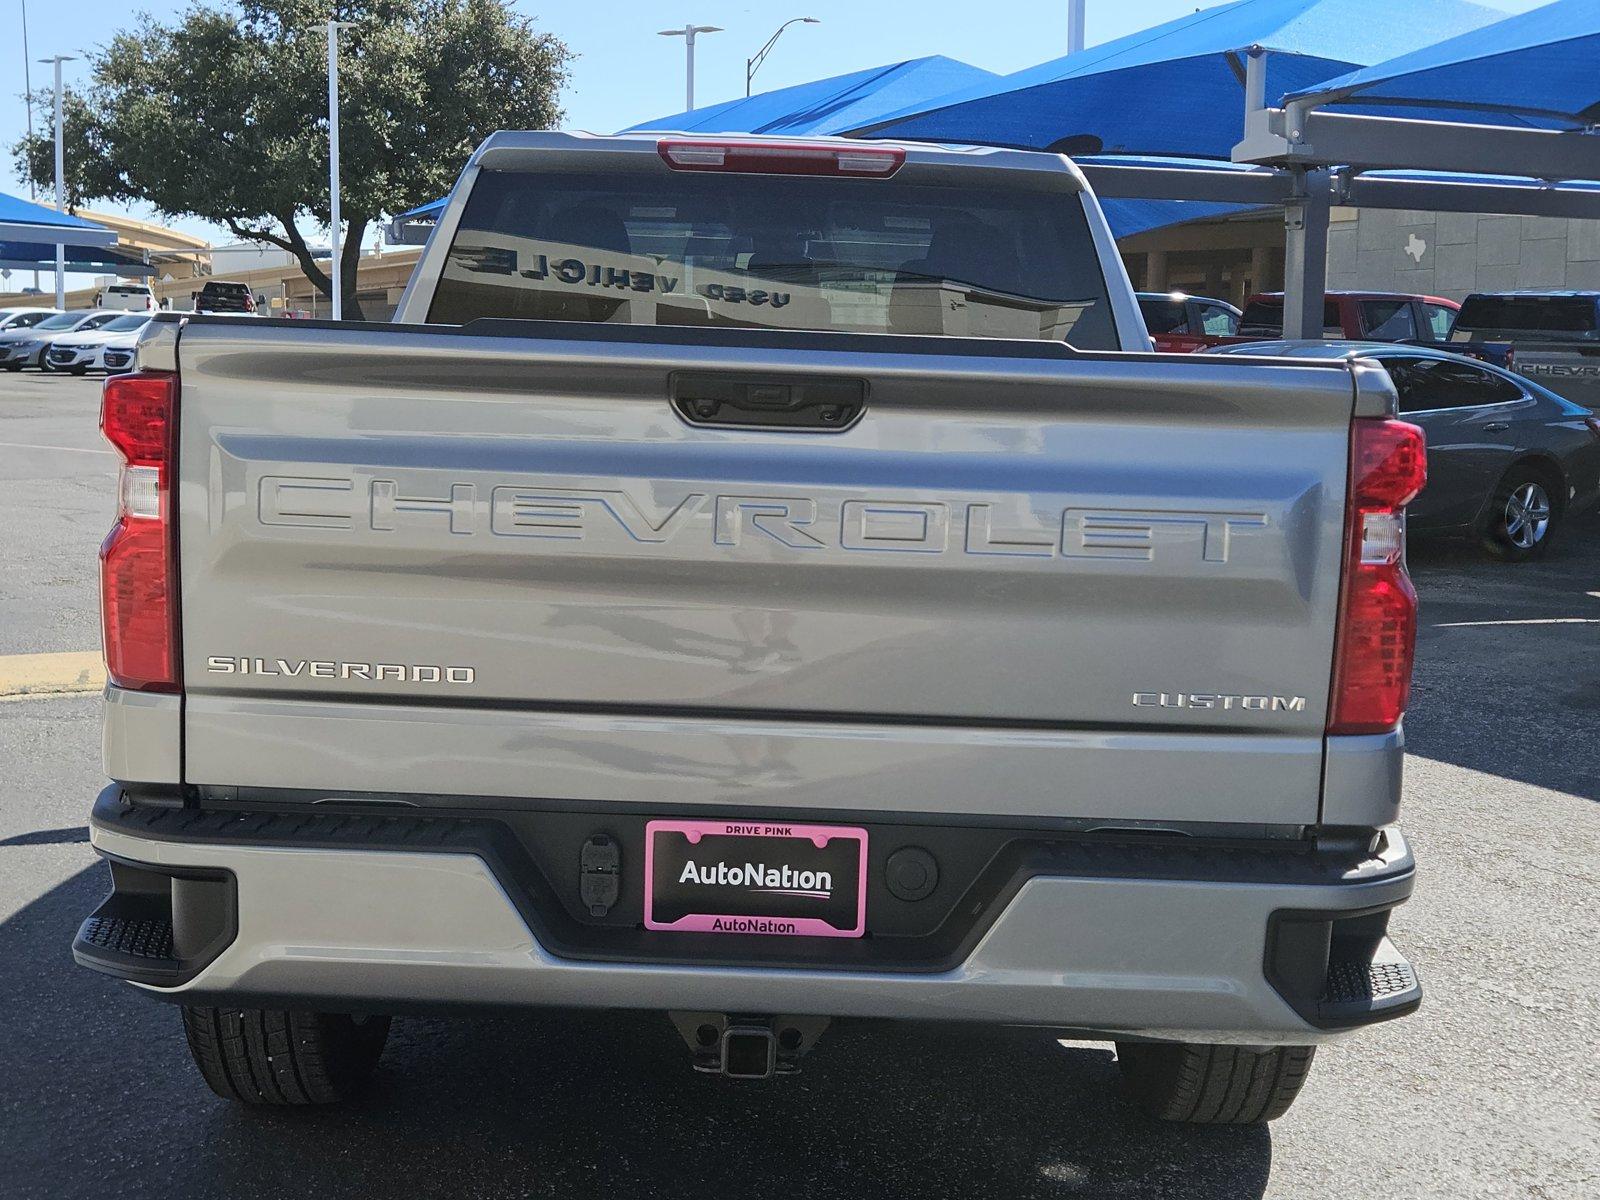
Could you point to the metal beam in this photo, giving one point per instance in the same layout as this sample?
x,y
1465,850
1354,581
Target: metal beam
x,y
1269,186
1429,195
1143,181
96,236
1295,136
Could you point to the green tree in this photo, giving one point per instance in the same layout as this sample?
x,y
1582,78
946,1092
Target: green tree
x,y
223,115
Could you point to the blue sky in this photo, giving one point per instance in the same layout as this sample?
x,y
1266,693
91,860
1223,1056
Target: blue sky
x,y
625,73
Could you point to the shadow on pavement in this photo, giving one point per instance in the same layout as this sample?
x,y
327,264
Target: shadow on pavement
x,y
100,1098
73,835
1508,661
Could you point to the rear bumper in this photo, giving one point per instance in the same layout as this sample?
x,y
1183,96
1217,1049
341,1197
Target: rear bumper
x,y
261,918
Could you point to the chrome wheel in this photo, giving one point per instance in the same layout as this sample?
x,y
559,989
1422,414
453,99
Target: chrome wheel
x,y
1527,515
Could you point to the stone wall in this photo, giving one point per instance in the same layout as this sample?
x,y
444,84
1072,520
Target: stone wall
x,y
1452,254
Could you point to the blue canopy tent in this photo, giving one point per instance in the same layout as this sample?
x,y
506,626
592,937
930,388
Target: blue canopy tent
x,y
1178,89
41,256
1425,130
411,228
1128,217
829,106
24,221
1544,63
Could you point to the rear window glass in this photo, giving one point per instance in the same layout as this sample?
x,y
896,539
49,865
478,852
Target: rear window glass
x,y
1528,314
1388,320
1217,321
1165,316
755,251
1429,384
1264,318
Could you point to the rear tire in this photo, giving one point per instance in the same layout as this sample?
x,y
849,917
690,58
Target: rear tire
x,y
1524,514
275,1057
1213,1085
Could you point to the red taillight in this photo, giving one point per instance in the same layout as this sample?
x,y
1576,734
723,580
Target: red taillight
x,y
781,158
138,577
1377,607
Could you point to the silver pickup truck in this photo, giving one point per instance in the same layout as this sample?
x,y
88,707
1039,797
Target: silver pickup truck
x,y
765,583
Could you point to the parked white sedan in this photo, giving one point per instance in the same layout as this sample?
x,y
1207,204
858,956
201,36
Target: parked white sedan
x,y
85,349
116,351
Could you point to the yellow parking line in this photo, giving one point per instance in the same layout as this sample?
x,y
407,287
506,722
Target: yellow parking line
x,y
32,675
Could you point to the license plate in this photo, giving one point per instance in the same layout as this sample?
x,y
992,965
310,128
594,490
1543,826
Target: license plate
x,y
755,877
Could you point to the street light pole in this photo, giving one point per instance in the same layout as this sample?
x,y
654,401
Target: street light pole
x,y
687,33
1075,18
335,263
27,94
61,199
752,65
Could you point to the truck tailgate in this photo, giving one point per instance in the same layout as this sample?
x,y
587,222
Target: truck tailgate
x,y
426,560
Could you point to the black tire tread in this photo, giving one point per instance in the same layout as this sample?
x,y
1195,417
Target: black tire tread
x,y
277,1057
1214,1085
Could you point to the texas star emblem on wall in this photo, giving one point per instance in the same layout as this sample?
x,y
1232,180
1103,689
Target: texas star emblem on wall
x,y
1416,247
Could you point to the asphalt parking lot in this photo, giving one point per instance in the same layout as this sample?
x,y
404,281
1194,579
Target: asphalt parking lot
x,y
1492,1090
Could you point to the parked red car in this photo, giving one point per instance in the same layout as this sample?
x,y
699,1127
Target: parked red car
x,y
1359,316
1347,316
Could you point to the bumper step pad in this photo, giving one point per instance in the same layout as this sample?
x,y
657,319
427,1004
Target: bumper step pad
x,y
1365,988
158,927
138,937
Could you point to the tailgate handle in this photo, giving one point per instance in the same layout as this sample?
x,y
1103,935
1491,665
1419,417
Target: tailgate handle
x,y
748,402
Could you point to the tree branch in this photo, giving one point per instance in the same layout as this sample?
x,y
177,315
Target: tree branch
x,y
289,240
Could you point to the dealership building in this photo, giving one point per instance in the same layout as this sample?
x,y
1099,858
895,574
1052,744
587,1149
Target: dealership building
x,y
1380,250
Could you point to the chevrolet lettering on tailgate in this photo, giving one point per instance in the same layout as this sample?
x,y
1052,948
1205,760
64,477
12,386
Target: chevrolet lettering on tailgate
x,y
556,514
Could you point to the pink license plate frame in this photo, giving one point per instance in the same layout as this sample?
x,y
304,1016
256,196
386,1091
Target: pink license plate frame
x,y
729,923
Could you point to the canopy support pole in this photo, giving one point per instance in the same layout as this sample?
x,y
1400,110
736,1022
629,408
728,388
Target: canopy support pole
x,y
1305,254
1255,82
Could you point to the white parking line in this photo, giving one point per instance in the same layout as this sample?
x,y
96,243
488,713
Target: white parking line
x,y
68,449
1530,621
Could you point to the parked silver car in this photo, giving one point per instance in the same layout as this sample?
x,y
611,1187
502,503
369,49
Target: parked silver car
x,y
25,347
23,318
1508,460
